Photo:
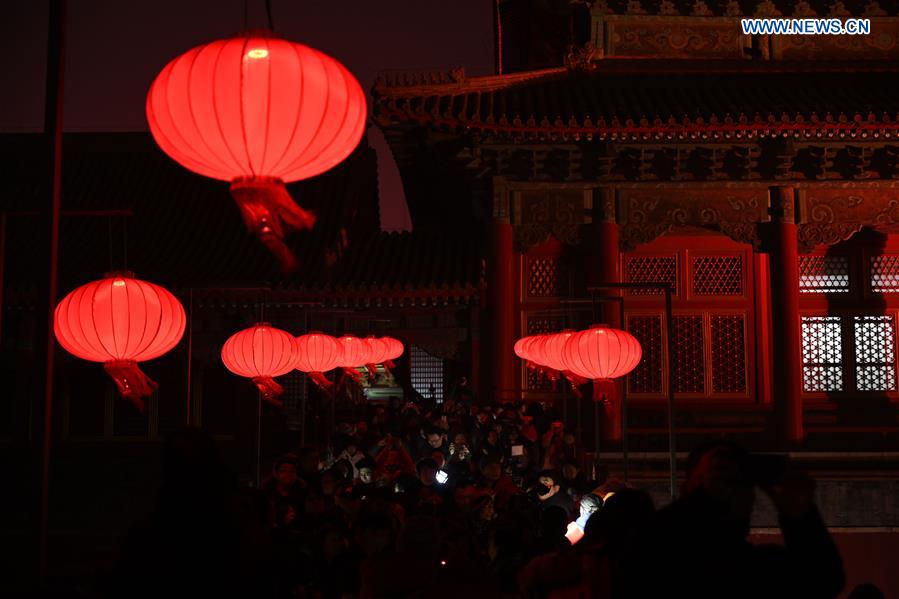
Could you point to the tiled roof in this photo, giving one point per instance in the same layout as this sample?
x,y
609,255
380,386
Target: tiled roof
x,y
185,230
646,99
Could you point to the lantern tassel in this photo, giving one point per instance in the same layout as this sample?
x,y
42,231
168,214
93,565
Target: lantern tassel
x,y
268,212
321,381
372,371
131,382
575,381
269,389
353,374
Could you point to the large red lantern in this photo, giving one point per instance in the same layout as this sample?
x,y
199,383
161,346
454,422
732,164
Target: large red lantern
x,y
261,353
317,353
120,321
602,353
258,111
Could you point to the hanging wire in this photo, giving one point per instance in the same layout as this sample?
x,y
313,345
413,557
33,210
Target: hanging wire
x,y
268,14
124,242
109,242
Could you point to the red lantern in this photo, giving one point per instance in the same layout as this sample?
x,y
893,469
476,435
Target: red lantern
x,y
258,111
317,353
354,353
377,353
602,353
261,353
120,321
396,349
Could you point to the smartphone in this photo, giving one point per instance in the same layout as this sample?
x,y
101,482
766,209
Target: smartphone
x,y
517,450
442,476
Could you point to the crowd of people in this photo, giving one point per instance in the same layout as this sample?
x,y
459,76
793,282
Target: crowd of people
x,y
468,500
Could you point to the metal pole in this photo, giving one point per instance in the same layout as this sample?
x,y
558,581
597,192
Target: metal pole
x,y
669,353
258,439
624,456
53,115
190,354
2,267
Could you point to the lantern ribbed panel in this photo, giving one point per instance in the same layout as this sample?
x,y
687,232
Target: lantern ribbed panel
x,y
256,106
317,352
551,350
602,353
260,351
524,347
378,350
396,347
354,352
119,318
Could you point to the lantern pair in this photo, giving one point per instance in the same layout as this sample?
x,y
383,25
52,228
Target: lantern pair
x,y
599,353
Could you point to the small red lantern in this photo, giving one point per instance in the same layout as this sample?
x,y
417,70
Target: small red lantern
x,y
552,352
120,321
317,353
354,353
258,111
396,349
261,353
377,353
602,353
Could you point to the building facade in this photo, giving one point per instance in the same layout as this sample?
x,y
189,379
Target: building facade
x,y
753,174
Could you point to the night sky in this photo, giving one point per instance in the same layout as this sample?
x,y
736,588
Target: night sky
x,y
115,48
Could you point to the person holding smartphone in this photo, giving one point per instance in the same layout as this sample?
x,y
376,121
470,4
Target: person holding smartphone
x,y
698,547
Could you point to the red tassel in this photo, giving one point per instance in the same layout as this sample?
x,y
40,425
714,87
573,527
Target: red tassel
x,y
269,389
268,211
576,382
352,373
388,365
372,371
321,381
131,381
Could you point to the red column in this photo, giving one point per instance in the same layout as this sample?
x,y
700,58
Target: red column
x,y
606,260
503,310
786,341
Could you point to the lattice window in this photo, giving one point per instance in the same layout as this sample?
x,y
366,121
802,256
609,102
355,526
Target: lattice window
x,y
426,373
539,325
728,353
544,277
823,274
718,275
647,376
885,274
689,355
294,385
651,269
875,367
822,353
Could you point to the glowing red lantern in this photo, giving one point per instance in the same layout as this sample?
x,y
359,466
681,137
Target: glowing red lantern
x,y
261,353
377,353
317,353
396,348
602,353
120,321
354,353
258,111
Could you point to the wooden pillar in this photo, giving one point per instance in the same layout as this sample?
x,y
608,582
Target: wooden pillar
x,y
786,341
606,269
503,309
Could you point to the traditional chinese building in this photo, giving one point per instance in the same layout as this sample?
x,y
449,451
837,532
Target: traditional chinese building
x,y
753,174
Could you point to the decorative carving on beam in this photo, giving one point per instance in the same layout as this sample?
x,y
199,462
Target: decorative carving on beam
x,y
678,37
829,216
652,212
772,160
537,214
